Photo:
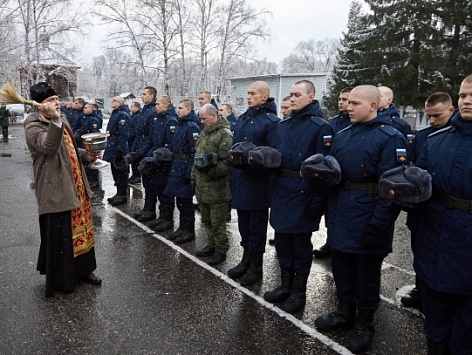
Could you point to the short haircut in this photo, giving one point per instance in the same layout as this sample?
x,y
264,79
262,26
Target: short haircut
x,y
468,79
136,104
206,92
346,90
386,90
228,107
95,106
165,99
372,92
439,98
80,100
119,99
152,90
309,86
187,103
210,110
262,87
286,98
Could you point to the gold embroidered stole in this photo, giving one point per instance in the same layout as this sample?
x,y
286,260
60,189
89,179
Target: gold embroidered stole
x,y
83,236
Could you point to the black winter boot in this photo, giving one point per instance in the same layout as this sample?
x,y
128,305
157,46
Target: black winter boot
x,y
178,232
166,222
363,333
122,196
438,348
344,317
240,269
149,212
109,199
297,298
322,252
281,293
254,271
188,233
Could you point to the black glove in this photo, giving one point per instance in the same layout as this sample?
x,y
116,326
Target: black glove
x,y
187,181
375,236
145,165
78,134
132,158
319,185
192,185
314,213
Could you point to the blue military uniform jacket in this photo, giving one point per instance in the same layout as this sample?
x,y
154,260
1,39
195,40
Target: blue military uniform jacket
x,y
396,121
118,128
162,132
142,143
132,128
249,190
294,204
414,217
88,124
232,120
183,148
364,151
340,121
443,245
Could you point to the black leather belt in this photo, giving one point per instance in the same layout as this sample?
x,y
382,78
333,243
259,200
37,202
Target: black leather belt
x,y
114,138
180,156
370,187
142,138
452,202
291,173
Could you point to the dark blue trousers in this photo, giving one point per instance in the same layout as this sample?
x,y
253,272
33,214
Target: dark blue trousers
x,y
186,209
295,252
154,192
253,229
357,278
448,317
120,177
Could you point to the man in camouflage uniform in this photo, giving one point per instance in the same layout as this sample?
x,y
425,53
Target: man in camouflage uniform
x,y
210,178
4,120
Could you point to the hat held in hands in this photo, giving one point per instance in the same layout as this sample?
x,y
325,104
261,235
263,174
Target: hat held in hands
x,y
321,167
405,185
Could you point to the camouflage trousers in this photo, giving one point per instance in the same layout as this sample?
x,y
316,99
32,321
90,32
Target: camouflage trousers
x,y
214,221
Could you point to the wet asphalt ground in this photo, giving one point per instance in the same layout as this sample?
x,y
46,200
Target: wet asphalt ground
x,y
158,298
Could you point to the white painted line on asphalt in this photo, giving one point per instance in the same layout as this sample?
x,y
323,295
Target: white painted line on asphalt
x,y
298,323
386,265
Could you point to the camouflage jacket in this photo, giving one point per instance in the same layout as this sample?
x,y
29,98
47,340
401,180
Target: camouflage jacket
x,y
212,186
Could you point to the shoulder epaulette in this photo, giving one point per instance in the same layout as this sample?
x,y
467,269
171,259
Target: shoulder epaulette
x,y
442,130
391,131
318,120
344,129
423,129
272,117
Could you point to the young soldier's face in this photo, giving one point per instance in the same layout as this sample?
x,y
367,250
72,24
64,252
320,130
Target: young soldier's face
x,y
299,97
439,114
183,110
161,106
465,101
203,99
360,106
343,101
286,108
256,96
146,96
88,109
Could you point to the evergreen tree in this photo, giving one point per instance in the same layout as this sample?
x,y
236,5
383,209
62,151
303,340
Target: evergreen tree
x,y
455,49
349,69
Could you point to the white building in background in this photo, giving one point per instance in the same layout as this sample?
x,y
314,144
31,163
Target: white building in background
x,y
280,85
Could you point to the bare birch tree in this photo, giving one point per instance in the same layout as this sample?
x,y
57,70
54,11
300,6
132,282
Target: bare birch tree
x,y
240,24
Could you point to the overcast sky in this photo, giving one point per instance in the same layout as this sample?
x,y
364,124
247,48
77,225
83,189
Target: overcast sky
x,y
292,21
